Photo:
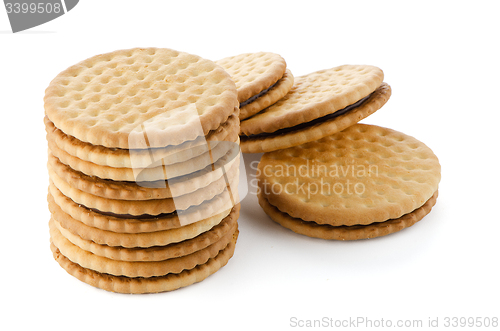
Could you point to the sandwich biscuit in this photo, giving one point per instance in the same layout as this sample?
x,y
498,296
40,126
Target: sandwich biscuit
x,y
261,79
169,282
101,264
141,158
360,179
319,104
140,191
155,253
115,99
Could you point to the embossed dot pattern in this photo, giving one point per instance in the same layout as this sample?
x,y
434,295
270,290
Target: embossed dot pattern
x,y
315,95
253,72
106,98
361,175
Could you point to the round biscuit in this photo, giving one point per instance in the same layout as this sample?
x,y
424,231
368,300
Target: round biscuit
x,y
139,158
316,95
256,144
61,207
118,98
138,191
137,285
142,207
253,72
133,240
221,156
343,232
361,175
101,264
275,93
156,253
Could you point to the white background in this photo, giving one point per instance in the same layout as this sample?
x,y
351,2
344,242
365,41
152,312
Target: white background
x,y
442,61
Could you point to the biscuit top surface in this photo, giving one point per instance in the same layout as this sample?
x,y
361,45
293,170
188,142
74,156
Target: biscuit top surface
x,y
361,175
253,72
315,95
113,99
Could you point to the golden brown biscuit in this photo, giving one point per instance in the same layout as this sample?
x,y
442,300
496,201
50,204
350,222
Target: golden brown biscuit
x,y
155,253
316,129
318,104
363,175
267,97
140,158
211,163
59,204
169,282
118,98
253,72
101,264
344,232
139,191
315,95
143,207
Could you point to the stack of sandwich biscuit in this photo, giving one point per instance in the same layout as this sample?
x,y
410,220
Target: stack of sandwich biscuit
x,y
325,176
144,166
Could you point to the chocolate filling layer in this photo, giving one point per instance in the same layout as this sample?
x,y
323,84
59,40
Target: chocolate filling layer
x,y
311,123
255,97
144,217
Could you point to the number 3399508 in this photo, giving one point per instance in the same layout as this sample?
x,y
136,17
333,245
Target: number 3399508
x,y
40,8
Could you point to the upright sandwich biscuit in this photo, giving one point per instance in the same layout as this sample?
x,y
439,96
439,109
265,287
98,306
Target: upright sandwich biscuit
x,y
364,182
319,104
261,79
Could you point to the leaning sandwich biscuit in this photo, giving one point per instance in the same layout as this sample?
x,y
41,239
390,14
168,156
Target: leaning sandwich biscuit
x,y
319,104
261,79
